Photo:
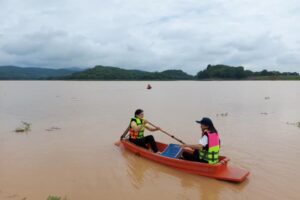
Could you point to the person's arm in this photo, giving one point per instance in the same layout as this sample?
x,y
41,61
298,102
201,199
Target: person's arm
x,y
153,128
193,146
136,127
202,143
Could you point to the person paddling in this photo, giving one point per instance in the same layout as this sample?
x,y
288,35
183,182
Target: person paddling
x,y
207,149
136,129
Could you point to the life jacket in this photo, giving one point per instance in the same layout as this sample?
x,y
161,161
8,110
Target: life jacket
x,y
210,152
134,134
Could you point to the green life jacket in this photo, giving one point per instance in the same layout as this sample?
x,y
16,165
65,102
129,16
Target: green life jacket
x,y
133,133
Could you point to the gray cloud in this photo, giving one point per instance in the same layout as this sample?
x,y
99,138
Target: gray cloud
x,y
152,35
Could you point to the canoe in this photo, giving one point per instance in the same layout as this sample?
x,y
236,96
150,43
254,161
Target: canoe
x,y
220,171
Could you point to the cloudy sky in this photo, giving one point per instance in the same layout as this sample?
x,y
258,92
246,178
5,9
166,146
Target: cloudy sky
x,y
151,35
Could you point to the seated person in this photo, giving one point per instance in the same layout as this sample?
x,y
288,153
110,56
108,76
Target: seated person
x,y
136,129
207,150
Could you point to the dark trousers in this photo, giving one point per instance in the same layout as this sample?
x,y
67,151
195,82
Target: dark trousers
x,y
193,157
142,142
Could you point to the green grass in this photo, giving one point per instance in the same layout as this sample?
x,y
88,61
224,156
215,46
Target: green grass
x,y
55,198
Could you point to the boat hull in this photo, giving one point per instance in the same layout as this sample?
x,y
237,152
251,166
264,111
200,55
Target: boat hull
x,y
220,170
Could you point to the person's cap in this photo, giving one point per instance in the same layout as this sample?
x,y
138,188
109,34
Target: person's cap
x,y
205,121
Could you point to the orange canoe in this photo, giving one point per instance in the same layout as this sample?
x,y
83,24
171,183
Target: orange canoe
x,y
219,171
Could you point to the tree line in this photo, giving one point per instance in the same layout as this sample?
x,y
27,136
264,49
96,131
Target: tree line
x,y
239,73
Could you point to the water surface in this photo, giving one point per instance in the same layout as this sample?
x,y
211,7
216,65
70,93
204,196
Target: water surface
x,y
69,151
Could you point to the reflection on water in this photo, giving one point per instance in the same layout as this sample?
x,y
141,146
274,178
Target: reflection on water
x,y
141,170
69,150
136,170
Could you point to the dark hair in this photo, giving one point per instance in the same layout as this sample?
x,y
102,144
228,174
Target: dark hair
x,y
207,122
212,129
138,111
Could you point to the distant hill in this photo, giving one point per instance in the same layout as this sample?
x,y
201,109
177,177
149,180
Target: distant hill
x,y
114,73
31,73
212,72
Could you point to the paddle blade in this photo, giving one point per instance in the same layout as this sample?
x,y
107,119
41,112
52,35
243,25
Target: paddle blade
x,y
118,143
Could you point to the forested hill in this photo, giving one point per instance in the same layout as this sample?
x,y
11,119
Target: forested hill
x,y
224,72
114,73
31,73
212,72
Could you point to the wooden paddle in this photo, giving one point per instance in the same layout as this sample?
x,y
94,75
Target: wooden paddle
x,y
172,136
122,136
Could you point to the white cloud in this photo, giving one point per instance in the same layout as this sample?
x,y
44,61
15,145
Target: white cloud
x,y
151,35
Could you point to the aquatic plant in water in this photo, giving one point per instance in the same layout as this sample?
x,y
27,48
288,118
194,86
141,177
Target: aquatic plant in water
x,y
24,128
53,128
294,124
222,114
55,198
263,113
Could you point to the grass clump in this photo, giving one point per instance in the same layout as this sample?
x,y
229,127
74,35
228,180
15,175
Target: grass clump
x,y
55,198
24,128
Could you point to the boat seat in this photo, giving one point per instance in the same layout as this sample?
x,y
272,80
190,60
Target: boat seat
x,y
172,151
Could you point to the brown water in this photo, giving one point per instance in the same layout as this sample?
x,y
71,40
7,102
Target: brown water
x,y
70,150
